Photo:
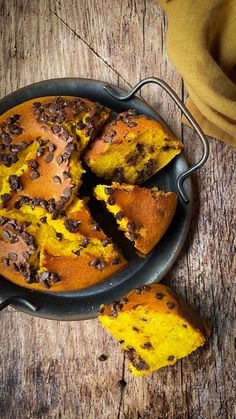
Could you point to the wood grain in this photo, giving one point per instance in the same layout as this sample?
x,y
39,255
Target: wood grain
x,y
51,369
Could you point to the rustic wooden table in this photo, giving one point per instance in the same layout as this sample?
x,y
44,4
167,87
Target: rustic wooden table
x,y
50,369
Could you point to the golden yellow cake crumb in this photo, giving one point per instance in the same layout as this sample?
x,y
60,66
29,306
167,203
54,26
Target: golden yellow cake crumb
x,y
154,327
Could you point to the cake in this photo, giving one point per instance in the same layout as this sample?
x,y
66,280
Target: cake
x,y
154,327
48,238
66,254
131,149
41,142
143,214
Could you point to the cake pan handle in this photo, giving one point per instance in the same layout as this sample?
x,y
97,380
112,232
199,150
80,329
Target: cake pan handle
x,y
204,142
15,299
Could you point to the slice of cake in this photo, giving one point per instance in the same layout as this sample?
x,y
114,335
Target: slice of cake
x,y
41,142
64,254
131,149
143,214
154,326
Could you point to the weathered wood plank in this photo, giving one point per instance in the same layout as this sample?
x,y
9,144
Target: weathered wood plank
x,y
51,369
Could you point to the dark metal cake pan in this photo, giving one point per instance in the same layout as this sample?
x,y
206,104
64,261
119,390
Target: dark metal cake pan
x,y
84,304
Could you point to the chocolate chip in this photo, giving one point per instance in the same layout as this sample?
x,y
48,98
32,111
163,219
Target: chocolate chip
x,y
147,345
39,151
119,215
53,108
170,358
72,225
34,175
54,277
6,197
43,220
159,295
26,255
138,290
80,125
170,305
6,138
37,104
17,204
15,183
48,158
60,159
105,242
135,329
118,174
67,192
151,149
166,148
133,237
8,159
43,118
59,236
123,300
95,227
133,160
32,164
14,129
57,179
12,256
115,261
77,252
51,147
85,242
66,175
15,148
60,117
41,142
102,357
150,167
69,150
111,200
131,124
64,134
122,383
93,262
131,227
108,191
98,264
6,235
140,147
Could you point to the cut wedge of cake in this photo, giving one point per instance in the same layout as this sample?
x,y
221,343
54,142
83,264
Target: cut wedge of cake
x,y
154,327
131,149
143,214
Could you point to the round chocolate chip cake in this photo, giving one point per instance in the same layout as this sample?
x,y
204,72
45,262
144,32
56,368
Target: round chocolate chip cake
x,y
48,236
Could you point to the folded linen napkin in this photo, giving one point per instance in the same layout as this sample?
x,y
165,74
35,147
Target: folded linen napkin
x,y
201,43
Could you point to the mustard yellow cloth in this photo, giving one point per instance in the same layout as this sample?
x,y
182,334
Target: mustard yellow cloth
x,y
201,43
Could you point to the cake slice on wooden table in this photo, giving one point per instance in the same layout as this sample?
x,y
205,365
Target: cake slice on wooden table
x,y
131,149
143,214
154,326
